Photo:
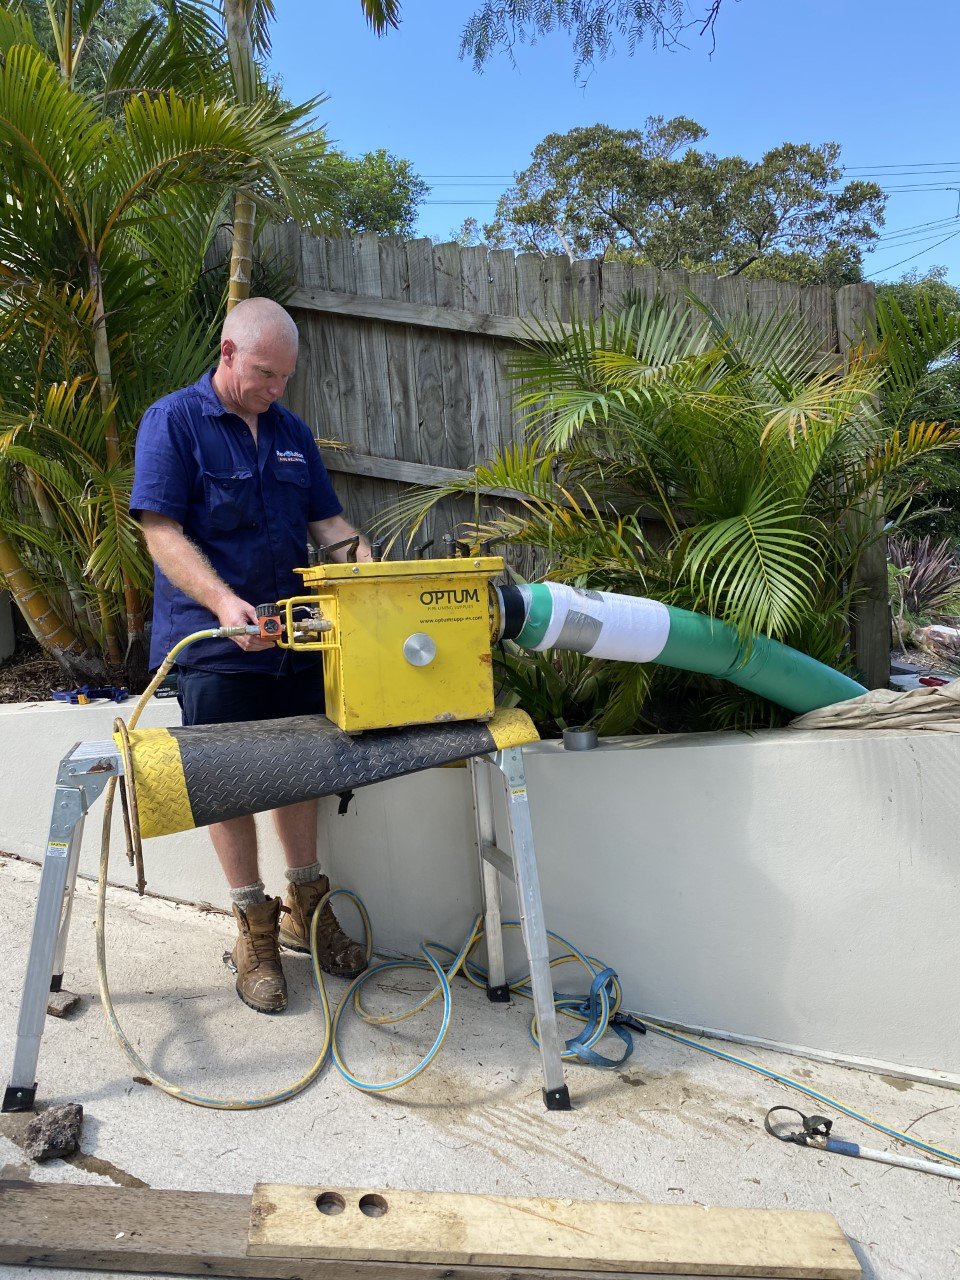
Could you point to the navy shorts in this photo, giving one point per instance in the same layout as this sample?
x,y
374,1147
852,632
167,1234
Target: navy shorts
x,y
227,697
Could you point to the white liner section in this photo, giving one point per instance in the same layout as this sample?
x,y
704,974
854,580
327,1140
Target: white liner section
x,y
632,628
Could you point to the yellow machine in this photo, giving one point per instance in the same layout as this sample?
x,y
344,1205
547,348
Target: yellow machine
x,y
405,641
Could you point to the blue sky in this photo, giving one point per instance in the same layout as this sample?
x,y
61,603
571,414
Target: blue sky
x,y
877,76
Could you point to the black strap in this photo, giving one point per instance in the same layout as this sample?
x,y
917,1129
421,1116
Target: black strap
x,y
344,805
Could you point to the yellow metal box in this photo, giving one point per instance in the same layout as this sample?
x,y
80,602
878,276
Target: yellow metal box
x,y
410,641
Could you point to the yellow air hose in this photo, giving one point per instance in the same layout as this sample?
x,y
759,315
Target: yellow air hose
x,y
331,1023
168,1086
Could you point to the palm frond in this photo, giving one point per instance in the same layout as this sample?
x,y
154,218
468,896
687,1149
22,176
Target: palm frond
x,y
757,569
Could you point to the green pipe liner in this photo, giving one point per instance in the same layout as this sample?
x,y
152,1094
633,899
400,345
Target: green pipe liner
x,y
618,628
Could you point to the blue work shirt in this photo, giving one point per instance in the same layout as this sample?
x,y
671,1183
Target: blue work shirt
x,y
245,503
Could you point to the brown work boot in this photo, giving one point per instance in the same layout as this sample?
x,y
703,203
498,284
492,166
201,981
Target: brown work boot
x,y
260,980
338,954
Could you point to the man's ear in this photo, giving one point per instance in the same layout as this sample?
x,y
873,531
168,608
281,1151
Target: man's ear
x,y
228,349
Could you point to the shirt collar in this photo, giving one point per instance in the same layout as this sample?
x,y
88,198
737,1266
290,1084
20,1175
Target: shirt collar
x,y
213,406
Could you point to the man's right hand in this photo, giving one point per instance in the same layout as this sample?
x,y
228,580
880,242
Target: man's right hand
x,y
234,612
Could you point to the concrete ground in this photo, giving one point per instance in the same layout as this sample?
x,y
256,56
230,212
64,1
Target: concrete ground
x,y
673,1126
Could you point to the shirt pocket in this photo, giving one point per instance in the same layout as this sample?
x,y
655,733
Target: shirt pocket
x,y
293,490
231,500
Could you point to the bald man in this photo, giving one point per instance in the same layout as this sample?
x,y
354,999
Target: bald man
x,y
229,487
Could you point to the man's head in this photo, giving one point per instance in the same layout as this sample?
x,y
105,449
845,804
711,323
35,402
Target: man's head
x,y
258,354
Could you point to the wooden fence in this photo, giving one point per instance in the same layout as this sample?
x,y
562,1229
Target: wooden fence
x,y
405,347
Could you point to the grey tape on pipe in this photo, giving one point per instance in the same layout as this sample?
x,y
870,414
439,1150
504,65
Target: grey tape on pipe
x,y
579,632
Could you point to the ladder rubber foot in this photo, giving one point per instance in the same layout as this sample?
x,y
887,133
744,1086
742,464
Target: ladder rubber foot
x,y
19,1098
56,982
557,1099
499,995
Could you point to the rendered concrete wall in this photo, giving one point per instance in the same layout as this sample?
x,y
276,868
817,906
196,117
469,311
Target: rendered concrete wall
x,y
800,888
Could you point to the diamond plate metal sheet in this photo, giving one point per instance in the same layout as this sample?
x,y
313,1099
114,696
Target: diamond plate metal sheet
x,y
236,769
162,801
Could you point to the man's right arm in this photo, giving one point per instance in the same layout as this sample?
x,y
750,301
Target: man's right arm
x,y
189,569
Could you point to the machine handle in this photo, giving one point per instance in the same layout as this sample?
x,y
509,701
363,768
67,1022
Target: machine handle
x,y
292,641
353,544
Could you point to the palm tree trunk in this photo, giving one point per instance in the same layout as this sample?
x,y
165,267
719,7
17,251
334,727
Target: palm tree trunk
x,y
53,633
241,251
135,659
240,50
101,356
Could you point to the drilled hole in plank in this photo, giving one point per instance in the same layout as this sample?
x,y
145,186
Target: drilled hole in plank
x,y
373,1206
330,1203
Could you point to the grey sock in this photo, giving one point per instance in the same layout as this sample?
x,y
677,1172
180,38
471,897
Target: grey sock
x,y
304,875
249,895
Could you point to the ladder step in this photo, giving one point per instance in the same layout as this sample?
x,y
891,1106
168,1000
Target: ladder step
x,y
498,858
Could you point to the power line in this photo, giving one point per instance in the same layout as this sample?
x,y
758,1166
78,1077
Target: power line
x,y
892,266
914,232
895,164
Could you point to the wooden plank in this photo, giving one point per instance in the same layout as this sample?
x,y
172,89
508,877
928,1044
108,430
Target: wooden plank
x,y
671,285
532,308
585,275
503,300
395,283
593,282
456,447
426,363
420,314
481,357
381,435
616,279
856,307
341,341
774,298
350,463
375,505
557,276
122,1229
732,296
706,288
373,1225
503,283
314,391
530,296
280,245
816,306
342,274
118,1229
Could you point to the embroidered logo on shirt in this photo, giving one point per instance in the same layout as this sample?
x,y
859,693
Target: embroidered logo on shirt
x,y
290,455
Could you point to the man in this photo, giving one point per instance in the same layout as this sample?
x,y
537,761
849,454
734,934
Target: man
x,y
228,487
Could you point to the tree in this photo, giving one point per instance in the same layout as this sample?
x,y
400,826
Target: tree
x,y
108,214
651,195
375,192
593,25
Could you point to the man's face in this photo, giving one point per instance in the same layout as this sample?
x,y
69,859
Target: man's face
x,y
259,374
